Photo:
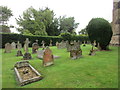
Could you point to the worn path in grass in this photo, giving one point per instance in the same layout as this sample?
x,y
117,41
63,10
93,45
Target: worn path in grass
x,y
99,71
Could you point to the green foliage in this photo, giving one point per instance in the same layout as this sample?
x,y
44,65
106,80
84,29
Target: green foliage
x,y
68,24
5,14
83,31
100,30
18,37
4,29
37,22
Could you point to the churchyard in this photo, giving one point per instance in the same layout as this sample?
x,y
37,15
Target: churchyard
x,y
97,71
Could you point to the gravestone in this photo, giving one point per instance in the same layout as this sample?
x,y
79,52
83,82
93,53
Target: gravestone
x,y
75,50
27,55
84,44
43,44
92,52
50,43
35,47
8,48
40,54
19,52
25,73
13,45
48,57
57,44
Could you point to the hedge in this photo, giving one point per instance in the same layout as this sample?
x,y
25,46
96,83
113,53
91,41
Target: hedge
x,y
18,37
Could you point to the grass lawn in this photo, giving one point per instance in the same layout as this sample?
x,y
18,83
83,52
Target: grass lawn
x,y
99,71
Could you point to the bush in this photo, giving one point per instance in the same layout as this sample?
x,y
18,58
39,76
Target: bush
x,y
18,37
100,30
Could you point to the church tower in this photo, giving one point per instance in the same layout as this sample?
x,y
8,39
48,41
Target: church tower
x,y
116,23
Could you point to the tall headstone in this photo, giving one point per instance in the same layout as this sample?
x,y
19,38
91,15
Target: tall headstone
x,y
19,46
13,44
27,55
8,48
48,57
35,47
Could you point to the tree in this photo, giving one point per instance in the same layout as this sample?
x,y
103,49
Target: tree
x,y
5,14
100,30
68,24
83,31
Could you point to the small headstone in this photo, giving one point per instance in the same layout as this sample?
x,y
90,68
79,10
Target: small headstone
x,y
92,52
43,44
48,57
8,48
19,52
27,55
40,54
84,44
50,43
35,47
13,44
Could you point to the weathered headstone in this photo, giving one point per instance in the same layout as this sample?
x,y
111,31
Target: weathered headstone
x,y
8,48
84,44
43,44
40,54
57,44
50,43
19,52
35,47
48,57
27,55
75,50
13,45
92,52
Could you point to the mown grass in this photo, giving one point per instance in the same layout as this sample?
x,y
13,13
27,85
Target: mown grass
x,y
99,71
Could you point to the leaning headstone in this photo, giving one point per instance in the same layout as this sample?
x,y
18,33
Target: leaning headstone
x,y
8,48
48,57
19,52
27,55
35,47
13,45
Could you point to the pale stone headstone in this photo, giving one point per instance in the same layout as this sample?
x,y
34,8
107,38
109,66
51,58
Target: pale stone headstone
x,y
43,44
27,55
48,57
40,54
50,43
19,46
13,44
26,45
35,47
8,48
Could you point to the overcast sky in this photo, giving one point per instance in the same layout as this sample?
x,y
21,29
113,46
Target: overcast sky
x,y
82,10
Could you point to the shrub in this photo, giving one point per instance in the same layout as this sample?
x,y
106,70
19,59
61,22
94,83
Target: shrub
x,y
100,30
18,37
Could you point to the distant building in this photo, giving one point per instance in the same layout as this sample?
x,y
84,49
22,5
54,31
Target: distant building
x,y
116,23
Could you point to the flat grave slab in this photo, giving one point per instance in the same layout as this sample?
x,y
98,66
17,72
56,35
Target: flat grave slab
x,y
25,73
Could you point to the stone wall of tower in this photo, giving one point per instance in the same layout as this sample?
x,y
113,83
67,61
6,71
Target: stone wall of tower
x,y
116,23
